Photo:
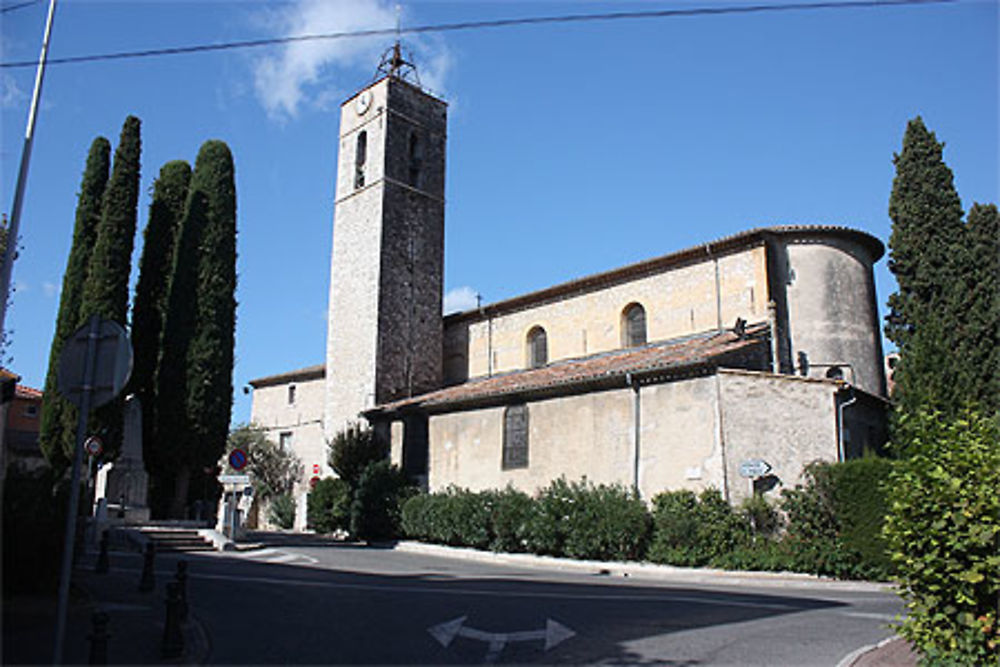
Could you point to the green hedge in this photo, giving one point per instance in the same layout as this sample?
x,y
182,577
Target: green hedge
x,y
831,525
572,519
328,506
943,530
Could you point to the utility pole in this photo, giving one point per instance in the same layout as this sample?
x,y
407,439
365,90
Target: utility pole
x,y
22,175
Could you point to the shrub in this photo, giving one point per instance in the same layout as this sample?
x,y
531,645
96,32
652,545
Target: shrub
x,y
943,529
606,523
545,532
510,514
695,530
375,513
834,520
281,511
34,517
329,506
352,450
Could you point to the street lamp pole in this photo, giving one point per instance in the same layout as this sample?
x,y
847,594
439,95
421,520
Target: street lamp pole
x,y
22,175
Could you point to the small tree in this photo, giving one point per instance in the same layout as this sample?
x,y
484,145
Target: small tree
x,y
943,530
375,509
354,449
329,506
273,470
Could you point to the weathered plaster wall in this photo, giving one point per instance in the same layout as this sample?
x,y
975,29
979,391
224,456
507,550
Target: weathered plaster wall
x,y
785,420
271,410
832,311
587,435
679,301
679,437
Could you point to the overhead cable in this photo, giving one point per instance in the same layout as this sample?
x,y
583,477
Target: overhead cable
x,y
480,25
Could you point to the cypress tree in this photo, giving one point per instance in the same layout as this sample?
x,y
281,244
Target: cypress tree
x,y
148,310
195,379
976,303
926,230
58,426
106,290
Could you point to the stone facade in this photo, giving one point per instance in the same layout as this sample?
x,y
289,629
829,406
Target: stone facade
x,y
693,433
386,271
762,345
289,407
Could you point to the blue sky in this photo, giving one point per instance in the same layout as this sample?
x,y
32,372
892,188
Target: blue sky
x,y
572,148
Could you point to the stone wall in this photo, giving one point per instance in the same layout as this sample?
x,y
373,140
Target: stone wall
x,y
683,300
272,411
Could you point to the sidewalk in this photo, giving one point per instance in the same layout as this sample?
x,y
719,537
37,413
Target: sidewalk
x,y
135,626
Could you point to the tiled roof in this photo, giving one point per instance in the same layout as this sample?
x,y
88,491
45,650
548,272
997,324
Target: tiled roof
x,y
301,375
655,362
20,391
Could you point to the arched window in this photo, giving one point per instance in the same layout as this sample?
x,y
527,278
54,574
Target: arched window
x,y
416,151
360,155
515,437
633,325
538,348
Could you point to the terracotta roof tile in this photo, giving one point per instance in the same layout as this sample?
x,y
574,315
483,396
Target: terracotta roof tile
x,y
662,359
20,391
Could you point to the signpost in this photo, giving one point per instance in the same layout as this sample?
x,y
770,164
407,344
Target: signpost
x,y
754,468
94,366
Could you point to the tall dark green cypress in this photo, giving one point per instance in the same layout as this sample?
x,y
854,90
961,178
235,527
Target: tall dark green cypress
x,y
926,229
106,290
195,379
170,192
59,416
976,303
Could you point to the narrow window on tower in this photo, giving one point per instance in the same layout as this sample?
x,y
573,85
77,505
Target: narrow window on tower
x,y
360,155
633,326
413,175
515,437
538,348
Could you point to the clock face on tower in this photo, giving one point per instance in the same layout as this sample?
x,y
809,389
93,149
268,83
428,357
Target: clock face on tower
x,y
363,102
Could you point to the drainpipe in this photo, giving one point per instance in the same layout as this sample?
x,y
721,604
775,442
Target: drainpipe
x,y
772,321
840,421
718,288
634,383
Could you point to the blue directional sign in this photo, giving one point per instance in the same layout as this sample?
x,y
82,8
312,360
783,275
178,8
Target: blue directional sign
x,y
237,459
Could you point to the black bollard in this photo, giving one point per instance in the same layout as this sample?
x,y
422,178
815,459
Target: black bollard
x,y
181,578
98,638
173,639
102,557
148,580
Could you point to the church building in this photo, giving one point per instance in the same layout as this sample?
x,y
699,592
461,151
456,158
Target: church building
x,y
732,364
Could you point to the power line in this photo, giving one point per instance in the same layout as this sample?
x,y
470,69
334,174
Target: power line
x,y
22,5
480,25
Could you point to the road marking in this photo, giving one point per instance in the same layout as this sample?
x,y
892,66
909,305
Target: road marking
x,y
438,590
270,555
554,634
869,614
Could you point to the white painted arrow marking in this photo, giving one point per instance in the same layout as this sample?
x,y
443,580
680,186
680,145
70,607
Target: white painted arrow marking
x,y
554,634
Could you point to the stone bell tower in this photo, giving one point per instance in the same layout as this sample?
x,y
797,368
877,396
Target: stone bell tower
x,y
384,328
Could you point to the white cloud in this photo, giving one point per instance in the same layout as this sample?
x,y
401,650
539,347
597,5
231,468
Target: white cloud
x,y
312,73
460,299
50,289
10,94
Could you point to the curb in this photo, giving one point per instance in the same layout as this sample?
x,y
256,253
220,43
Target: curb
x,y
858,653
648,570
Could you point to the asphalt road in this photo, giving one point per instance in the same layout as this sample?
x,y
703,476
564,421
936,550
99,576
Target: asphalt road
x,y
325,604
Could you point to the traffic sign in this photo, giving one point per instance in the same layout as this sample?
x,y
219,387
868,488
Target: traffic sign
x,y
754,468
93,446
315,468
313,482
237,459
234,479
111,363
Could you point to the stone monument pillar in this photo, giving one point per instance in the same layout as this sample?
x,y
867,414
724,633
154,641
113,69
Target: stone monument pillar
x,y
127,482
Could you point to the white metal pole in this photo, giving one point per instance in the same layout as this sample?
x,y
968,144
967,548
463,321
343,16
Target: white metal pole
x,y
22,174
